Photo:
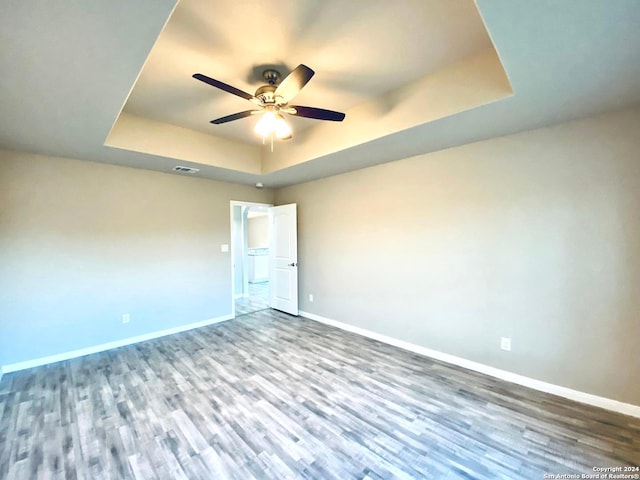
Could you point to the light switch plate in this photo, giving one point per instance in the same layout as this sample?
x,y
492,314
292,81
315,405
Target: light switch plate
x,y
224,248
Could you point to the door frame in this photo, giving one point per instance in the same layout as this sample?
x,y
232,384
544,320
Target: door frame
x,y
234,203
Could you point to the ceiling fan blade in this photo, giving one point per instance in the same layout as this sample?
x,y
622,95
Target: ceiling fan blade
x,y
317,113
293,83
235,116
223,86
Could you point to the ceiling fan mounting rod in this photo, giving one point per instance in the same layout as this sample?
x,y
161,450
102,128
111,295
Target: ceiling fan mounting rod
x,y
271,76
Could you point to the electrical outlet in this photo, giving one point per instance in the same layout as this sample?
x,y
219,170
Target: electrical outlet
x,y
505,343
126,318
311,297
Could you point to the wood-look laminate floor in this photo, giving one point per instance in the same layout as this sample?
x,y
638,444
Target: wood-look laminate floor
x,y
269,396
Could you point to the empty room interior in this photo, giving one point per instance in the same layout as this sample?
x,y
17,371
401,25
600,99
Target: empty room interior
x,y
319,239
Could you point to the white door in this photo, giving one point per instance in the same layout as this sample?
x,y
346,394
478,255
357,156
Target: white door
x,y
283,258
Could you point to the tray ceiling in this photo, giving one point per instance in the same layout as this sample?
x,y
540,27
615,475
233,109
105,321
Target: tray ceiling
x,y
412,76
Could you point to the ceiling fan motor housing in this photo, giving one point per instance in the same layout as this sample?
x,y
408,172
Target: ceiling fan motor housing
x,y
266,93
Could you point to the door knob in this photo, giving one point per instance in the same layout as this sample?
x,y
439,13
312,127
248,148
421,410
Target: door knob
x,y
294,264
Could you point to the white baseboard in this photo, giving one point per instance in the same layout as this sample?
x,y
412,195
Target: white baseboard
x,y
36,362
582,397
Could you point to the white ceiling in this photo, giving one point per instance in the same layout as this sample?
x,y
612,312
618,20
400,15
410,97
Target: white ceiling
x,y
358,49
68,67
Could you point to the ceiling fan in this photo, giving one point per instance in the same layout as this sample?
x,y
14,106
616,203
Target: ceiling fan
x,y
273,100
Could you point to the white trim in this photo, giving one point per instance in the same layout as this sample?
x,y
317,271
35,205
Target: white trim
x,y
250,204
582,397
36,362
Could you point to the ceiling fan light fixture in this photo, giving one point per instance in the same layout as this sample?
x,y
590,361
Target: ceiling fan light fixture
x,y
282,128
266,124
272,123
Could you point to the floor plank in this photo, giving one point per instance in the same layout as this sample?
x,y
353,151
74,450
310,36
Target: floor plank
x,y
268,395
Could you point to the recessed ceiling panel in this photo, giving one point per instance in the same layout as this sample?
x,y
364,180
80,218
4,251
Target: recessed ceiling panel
x,y
359,50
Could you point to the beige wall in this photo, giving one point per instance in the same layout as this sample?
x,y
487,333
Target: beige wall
x,y
258,231
535,236
82,243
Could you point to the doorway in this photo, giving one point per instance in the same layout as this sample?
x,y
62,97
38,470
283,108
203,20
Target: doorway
x,y
250,257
